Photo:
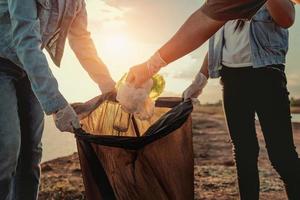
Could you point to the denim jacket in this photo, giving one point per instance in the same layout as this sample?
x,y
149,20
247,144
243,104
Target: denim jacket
x,y
268,43
27,26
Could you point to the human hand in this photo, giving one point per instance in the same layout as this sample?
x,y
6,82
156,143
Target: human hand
x,y
131,98
195,89
107,86
140,74
66,119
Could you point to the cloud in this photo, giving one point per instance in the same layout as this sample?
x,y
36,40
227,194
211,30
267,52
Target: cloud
x,y
99,10
101,15
154,21
185,69
150,23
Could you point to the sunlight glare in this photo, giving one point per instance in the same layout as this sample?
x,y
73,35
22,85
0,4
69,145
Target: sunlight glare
x,y
116,45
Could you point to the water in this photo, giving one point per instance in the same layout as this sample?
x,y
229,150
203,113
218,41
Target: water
x,y
296,118
56,144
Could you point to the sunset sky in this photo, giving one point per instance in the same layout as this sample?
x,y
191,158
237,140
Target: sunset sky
x,y
127,32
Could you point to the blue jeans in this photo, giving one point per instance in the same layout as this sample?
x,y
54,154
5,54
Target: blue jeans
x,y
21,128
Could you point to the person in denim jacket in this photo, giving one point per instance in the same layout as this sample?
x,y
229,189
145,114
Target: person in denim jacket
x,y
27,86
249,56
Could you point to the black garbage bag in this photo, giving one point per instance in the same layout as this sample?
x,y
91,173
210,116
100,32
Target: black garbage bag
x,y
125,158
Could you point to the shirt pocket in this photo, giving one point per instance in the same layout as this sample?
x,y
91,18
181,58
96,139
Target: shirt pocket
x,y
262,16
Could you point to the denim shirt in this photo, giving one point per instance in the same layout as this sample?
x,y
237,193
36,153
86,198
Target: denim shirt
x,y
27,26
268,43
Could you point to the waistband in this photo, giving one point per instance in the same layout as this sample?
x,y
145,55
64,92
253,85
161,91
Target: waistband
x,y
279,67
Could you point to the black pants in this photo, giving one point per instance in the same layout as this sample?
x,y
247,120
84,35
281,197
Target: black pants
x,y
247,91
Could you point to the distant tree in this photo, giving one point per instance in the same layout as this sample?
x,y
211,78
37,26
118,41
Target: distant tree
x,y
295,102
292,101
218,103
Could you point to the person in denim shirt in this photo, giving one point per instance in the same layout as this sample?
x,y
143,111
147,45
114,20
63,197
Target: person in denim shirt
x,y
249,56
27,86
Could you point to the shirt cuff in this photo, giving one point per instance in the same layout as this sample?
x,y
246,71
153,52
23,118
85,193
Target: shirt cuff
x,y
54,104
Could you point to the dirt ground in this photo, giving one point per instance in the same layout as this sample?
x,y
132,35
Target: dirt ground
x,y
295,109
215,175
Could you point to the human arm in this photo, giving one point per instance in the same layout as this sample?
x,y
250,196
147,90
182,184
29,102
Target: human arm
x,y
84,48
199,82
282,12
26,40
194,32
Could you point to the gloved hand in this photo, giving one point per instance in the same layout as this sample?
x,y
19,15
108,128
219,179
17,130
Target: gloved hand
x,y
146,110
140,74
195,89
136,100
107,85
66,119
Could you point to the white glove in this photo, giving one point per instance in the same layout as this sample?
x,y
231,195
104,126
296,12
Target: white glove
x,y
155,63
136,100
107,86
140,74
66,119
195,89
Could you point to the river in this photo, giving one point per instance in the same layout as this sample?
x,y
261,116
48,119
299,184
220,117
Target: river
x,y
296,118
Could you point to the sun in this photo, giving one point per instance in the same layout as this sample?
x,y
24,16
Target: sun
x,y
116,45
119,52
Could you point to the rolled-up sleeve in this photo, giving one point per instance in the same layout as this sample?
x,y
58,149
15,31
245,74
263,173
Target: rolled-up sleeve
x,y
84,48
225,10
26,39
